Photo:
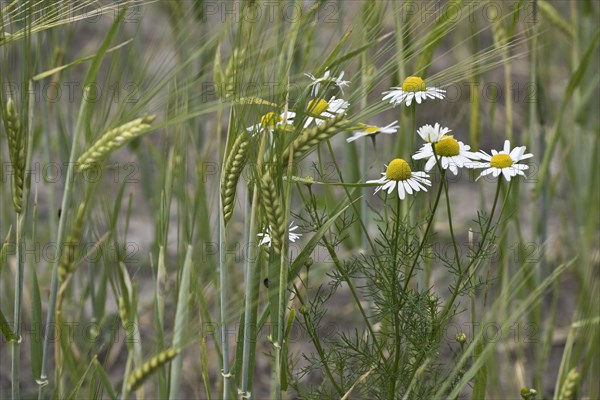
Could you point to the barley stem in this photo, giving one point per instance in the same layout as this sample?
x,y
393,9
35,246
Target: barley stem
x,y
251,286
66,201
224,275
21,216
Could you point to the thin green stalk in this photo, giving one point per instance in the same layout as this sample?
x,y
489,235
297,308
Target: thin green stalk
x,y
364,164
400,29
16,344
479,250
252,283
411,134
445,183
456,252
396,230
397,341
60,237
21,216
424,239
283,285
181,324
224,281
317,343
127,373
405,288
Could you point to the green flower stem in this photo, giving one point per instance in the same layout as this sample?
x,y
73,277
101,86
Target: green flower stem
x,y
378,162
424,239
456,252
479,250
411,134
397,341
405,288
396,229
445,183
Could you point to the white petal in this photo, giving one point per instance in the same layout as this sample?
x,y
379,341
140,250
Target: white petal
x,y
413,184
430,164
389,186
401,191
516,153
407,187
444,162
487,171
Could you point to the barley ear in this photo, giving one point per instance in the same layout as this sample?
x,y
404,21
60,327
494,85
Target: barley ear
x,y
498,32
550,13
67,260
112,140
235,64
234,164
569,388
273,211
311,137
16,152
141,374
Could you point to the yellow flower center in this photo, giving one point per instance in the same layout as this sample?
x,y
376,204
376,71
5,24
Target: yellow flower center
x,y
372,129
447,147
413,84
501,161
270,119
398,170
317,106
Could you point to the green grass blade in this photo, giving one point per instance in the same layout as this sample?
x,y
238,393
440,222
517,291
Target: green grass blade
x,y
79,61
36,323
105,380
5,328
4,248
75,392
181,324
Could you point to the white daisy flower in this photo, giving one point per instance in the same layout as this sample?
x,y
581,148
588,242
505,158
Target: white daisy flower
x,y
399,175
327,78
451,153
271,119
319,110
372,130
266,235
432,134
413,87
505,162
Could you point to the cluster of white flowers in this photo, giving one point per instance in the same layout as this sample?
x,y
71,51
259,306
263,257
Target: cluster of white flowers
x,y
440,146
